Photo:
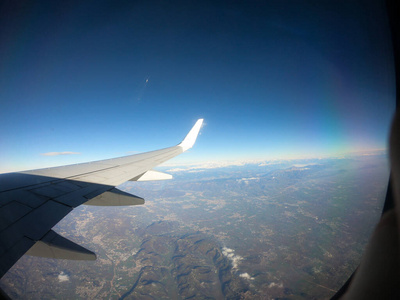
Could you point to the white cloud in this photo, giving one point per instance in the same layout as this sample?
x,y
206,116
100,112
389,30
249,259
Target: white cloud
x,y
306,165
273,284
177,170
246,180
59,153
230,254
210,165
200,166
268,163
246,276
62,277
301,165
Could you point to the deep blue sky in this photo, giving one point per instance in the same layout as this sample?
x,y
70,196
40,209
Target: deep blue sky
x,y
270,78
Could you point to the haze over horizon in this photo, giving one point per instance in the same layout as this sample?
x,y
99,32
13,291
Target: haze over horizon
x,y
88,81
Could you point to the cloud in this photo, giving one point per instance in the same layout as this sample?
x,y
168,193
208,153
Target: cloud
x,y
246,276
59,153
177,170
246,180
268,163
62,277
199,167
274,284
230,254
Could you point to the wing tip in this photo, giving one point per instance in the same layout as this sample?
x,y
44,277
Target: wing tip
x,y
191,137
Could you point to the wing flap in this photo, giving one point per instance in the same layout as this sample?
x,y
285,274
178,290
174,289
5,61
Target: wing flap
x,y
53,245
115,197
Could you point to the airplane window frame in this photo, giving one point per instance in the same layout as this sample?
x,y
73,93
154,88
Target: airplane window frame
x,y
393,11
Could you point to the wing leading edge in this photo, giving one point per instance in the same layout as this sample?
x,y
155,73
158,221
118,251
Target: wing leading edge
x,y
32,202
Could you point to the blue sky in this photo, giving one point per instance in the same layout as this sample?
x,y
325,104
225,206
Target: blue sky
x,y
272,79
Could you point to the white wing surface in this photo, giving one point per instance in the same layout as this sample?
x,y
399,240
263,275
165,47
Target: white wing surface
x,y
32,202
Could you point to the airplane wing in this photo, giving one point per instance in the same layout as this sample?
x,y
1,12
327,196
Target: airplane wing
x,y
32,202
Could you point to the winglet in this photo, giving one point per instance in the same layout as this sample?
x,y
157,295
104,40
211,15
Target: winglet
x,y
190,139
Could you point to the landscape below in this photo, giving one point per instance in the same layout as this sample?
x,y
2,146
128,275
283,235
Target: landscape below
x,y
285,229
